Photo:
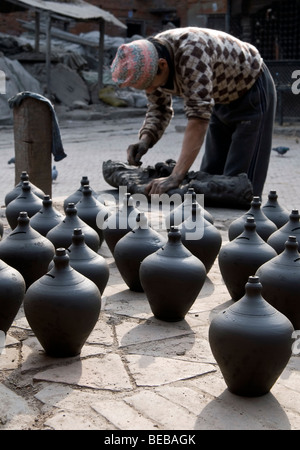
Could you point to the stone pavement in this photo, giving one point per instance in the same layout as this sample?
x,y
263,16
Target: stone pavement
x,y
136,372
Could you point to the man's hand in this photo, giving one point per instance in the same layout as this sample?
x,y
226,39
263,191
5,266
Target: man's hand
x,y
161,185
136,151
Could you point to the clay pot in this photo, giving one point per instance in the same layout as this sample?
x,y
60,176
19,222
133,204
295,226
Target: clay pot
x,y
172,278
132,248
1,229
17,190
12,291
92,212
26,201
27,250
62,308
242,257
264,226
184,210
46,218
278,239
251,342
61,234
201,237
274,211
77,195
86,261
120,222
280,279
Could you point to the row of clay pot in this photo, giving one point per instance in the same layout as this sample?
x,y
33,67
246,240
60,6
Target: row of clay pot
x,y
171,277
252,339
58,276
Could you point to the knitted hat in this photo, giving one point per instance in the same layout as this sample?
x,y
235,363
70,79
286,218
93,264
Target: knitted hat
x,y
135,64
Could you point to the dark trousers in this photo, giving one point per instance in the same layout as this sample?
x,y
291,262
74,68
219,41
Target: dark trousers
x,y
239,136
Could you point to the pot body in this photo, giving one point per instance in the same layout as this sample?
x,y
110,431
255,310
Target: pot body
x,y
278,239
77,195
182,212
201,237
12,291
274,211
26,201
62,308
46,218
251,342
132,248
264,226
92,212
172,278
27,251
120,222
87,262
241,258
17,190
280,279
61,234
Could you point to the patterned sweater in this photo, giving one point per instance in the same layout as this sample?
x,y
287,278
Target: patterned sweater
x,y
210,67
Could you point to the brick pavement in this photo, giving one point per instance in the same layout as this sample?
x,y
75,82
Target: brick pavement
x,y
136,372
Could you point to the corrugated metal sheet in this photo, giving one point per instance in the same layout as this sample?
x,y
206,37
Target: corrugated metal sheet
x,y
76,9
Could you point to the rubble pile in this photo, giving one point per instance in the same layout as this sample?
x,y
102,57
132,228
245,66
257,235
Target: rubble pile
x,y
74,72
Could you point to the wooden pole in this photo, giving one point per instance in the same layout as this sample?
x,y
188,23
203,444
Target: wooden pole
x,y
101,53
48,53
33,143
37,32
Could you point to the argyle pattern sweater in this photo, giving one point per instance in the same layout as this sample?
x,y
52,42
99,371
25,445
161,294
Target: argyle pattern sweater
x,y
210,67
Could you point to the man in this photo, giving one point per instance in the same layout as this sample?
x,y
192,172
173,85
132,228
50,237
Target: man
x,y
229,97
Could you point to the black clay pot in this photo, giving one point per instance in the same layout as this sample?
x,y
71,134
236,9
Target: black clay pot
x,y
61,234
172,278
27,250
280,279
46,218
132,248
1,229
12,291
251,342
26,201
181,212
86,261
92,212
278,239
62,308
77,195
274,211
17,190
120,222
264,226
201,237
242,257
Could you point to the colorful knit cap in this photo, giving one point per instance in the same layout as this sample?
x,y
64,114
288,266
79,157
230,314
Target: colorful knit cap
x,y
135,64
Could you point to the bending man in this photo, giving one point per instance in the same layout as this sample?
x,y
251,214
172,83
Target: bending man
x,y
229,96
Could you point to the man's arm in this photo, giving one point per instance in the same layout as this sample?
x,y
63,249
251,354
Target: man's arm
x,y
193,139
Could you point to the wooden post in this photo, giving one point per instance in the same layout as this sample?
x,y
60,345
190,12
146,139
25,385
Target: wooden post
x,y
33,143
37,32
101,53
48,53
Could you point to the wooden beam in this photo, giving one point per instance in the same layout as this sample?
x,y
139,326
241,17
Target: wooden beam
x,y
37,32
101,53
48,53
